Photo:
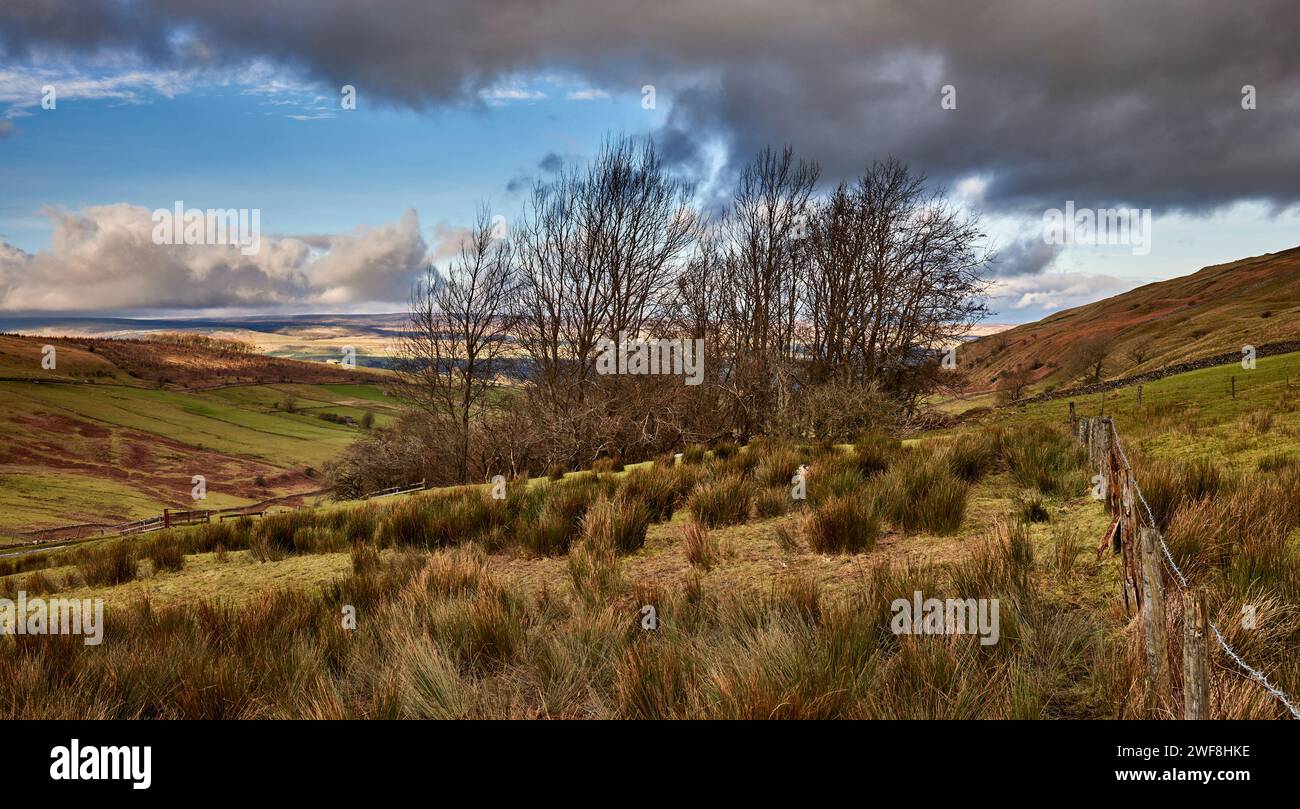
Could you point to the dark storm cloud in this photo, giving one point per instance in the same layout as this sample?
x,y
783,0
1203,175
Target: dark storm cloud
x,y
1029,255
1113,101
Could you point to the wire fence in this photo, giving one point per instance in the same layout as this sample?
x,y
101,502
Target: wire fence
x,y
1254,673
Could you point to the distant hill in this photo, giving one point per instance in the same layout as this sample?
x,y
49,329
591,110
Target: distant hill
x,y
1217,310
196,364
372,337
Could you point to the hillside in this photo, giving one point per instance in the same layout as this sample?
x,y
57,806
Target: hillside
x,y
126,425
758,618
1217,310
303,337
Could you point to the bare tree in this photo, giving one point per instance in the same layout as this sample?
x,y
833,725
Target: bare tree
x,y
1092,357
762,239
457,335
597,253
1013,384
1139,351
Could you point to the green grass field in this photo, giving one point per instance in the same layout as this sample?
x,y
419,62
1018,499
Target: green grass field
x,y
100,453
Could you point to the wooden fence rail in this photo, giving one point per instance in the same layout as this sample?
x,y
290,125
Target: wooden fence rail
x,y
1135,537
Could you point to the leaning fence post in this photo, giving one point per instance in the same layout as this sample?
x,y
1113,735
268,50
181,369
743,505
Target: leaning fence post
x,y
1196,670
1073,425
1153,617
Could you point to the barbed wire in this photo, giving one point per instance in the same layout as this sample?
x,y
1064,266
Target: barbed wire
x,y
1223,643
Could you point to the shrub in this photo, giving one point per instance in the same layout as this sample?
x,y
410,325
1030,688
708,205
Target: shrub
x,y
843,525
721,501
619,523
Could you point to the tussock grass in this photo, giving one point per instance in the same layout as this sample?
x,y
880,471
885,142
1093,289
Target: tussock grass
x,y
874,452
920,493
843,524
721,501
1045,458
701,547
618,523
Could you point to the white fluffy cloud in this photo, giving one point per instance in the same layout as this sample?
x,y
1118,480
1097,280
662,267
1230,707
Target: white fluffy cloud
x,y
1050,291
103,258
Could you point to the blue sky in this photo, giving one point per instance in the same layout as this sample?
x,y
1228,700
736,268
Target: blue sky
x,y
254,147
236,104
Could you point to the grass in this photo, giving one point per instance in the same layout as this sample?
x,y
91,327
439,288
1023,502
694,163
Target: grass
x,y
785,623
51,497
110,453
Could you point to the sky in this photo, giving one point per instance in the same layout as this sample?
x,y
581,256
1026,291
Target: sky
x,y
1015,109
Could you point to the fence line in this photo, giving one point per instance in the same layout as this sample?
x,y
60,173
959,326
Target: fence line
x,y
1101,437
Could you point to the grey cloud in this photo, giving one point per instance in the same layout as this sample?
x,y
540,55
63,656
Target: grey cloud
x,y
1105,102
551,163
1028,255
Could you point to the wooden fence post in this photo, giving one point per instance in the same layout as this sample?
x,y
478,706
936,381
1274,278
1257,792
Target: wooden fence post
x,y
1102,431
1196,673
1139,394
1073,426
1153,618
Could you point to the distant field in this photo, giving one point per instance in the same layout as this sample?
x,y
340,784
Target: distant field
x,y
112,453
1195,414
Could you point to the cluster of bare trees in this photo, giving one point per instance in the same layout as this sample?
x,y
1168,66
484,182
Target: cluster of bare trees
x,y
791,292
